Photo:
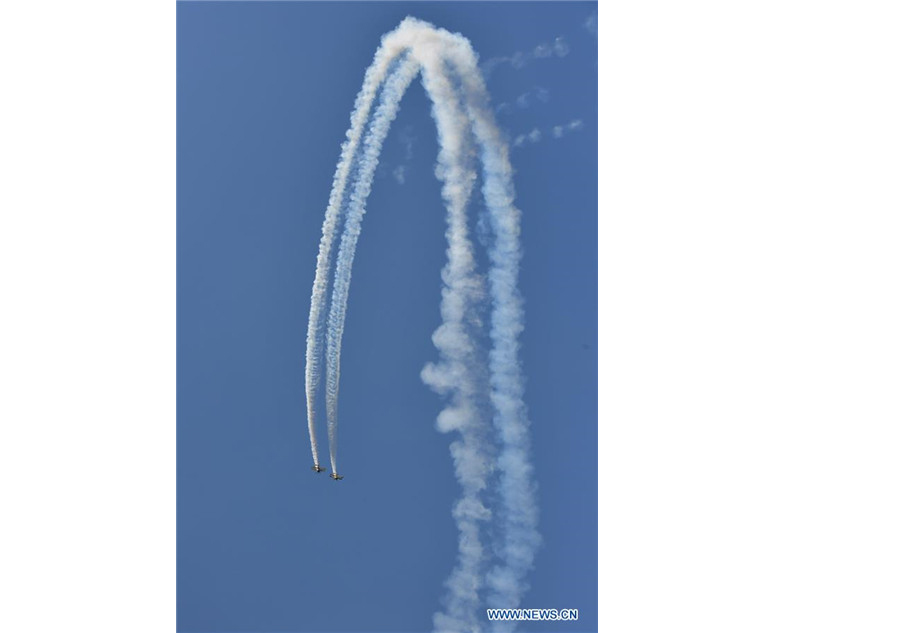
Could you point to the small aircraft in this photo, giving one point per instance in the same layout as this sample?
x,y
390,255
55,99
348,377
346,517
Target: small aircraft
x,y
318,468
335,476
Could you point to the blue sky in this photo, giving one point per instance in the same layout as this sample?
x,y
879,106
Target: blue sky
x,y
264,97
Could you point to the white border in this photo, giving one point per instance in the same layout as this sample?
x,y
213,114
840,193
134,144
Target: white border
x,y
87,241
749,316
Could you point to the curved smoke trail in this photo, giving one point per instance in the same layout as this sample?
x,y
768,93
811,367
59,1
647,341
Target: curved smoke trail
x,y
385,114
463,119
374,77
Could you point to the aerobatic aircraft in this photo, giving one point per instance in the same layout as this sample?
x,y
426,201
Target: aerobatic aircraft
x,y
336,477
318,468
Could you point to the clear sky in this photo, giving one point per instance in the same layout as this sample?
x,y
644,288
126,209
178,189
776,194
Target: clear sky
x,y
264,95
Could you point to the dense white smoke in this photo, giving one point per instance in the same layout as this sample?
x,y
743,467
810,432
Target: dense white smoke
x,y
465,126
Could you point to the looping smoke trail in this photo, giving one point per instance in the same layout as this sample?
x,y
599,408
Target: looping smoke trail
x,y
463,119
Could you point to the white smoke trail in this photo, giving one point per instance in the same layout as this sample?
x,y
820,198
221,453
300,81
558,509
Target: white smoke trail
x,y
519,506
518,512
384,115
457,375
374,76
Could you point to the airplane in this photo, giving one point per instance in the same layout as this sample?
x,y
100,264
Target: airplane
x,y
318,468
335,476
